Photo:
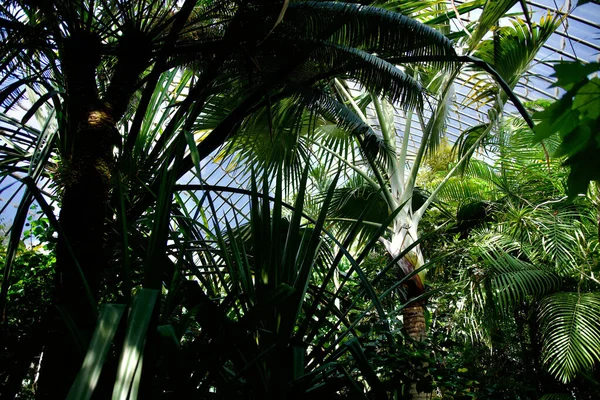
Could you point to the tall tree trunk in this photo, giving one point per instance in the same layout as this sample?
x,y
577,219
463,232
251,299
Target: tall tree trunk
x,y
414,324
80,253
414,321
89,135
413,316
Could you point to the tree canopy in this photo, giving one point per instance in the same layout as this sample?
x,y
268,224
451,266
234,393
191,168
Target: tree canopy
x,y
346,266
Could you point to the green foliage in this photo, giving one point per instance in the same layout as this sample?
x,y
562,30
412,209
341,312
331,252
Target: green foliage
x,y
451,368
570,332
510,52
31,286
163,75
519,247
435,165
130,363
257,302
30,296
87,378
575,117
492,12
273,307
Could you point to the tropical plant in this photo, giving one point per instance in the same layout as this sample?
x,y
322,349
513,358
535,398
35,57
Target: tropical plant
x,y
119,88
263,316
378,166
528,256
381,171
30,298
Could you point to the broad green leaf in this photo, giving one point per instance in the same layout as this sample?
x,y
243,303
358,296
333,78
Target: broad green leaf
x,y
568,74
133,346
584,168
87,378
556,118
574,141
587,99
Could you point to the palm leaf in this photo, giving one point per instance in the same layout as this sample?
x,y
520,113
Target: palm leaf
x,y
293,315
373,72
130,363
557,396
492,12
350,202
450,15
367,28
560,228
570,333
513,281
443,108
88,376
510,52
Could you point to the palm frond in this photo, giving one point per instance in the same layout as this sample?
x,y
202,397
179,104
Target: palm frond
x,y
510,53
492,12
559,227
513,281
272,137
438,17
470,137
413,9
443,108
358,200
269,290
372,145
557,396
570,333
373,72
370,29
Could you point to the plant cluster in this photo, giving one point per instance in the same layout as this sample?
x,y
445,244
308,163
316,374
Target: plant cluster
x,y
144,279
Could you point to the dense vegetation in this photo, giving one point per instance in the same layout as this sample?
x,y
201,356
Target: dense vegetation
x,y
347,267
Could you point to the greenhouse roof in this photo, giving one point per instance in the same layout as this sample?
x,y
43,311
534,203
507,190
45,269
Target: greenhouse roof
x,y
577,38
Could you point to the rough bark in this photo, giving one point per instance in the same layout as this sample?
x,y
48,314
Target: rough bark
x,y
89,136
414,321
414,325
83,218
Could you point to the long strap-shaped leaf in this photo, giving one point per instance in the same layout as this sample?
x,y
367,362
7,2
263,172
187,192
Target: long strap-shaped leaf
x,y
133,347
88,375
13,244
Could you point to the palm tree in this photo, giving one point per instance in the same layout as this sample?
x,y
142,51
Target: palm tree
x,y
402,186
378,165
102,69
